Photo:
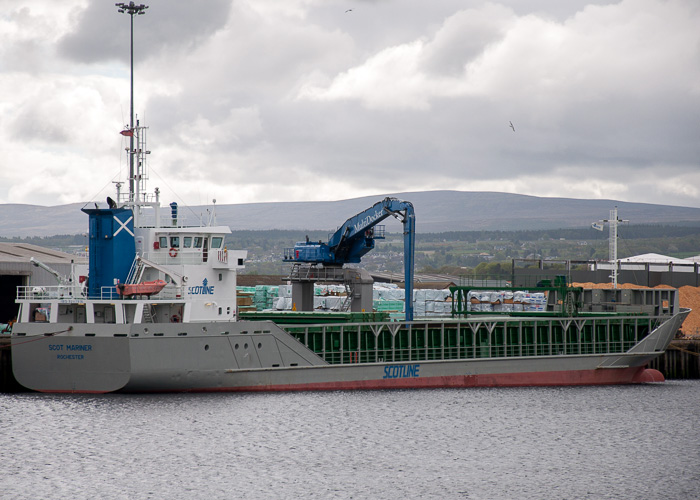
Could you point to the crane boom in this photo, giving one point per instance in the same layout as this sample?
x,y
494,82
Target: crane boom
x,y
356,237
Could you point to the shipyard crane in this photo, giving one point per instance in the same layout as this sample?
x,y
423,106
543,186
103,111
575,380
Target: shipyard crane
x,y
356,237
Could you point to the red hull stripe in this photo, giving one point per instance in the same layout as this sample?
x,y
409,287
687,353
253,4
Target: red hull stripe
x,y
636,375
633,375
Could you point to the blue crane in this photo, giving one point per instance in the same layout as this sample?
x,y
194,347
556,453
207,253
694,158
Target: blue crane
x,y
356,237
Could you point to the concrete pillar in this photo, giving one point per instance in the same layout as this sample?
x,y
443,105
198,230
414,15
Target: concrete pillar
x,y
303,296
362,290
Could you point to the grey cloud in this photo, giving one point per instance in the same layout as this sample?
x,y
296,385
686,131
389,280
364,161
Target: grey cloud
x,y
593,127
253,64
222,85
33,124
465,36
103,34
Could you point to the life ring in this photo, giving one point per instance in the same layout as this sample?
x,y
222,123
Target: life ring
x,y
175,318
173,252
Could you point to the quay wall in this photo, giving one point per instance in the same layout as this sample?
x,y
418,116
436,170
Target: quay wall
x,y
680,361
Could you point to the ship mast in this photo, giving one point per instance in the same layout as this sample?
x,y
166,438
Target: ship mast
x,y
132,9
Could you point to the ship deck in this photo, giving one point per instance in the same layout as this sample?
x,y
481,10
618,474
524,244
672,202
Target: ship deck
x,y
483,337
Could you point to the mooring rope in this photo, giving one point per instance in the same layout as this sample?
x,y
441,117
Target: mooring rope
x,y
684,350
38,337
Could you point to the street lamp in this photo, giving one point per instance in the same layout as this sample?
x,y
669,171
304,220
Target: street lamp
x,y
131,8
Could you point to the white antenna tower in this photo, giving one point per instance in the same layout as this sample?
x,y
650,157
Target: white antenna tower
x,y
613,222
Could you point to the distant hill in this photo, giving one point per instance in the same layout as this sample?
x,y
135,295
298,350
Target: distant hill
x,y
436,211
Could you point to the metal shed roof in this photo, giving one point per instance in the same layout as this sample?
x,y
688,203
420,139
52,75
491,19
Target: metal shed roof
x,y
655,258
22,252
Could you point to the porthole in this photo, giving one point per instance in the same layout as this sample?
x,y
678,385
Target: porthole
x,y
206,347
259,345
245,346
236,346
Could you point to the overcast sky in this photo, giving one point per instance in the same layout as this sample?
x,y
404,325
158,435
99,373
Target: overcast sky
x,y
300,100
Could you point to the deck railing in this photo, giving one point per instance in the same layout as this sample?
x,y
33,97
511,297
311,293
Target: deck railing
x,y
51,292
77,293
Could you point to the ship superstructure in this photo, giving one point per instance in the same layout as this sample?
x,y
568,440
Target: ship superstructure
x,y
134,244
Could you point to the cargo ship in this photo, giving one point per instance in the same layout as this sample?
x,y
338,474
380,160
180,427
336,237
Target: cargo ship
x,y
186,337
156,311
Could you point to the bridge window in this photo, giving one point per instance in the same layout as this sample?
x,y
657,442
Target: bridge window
x,y
174,242
198,242
216,242
163,242
187,242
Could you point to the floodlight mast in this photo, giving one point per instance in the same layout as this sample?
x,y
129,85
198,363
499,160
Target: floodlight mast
x,y
613,222
132,9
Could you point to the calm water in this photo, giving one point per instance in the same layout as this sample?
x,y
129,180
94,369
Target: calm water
x,y
537,443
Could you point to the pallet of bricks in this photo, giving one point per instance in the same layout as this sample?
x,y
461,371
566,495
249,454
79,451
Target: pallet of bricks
x,y
426,302
256,298
244,299
506,301
389,298
432,302
265,297
330,298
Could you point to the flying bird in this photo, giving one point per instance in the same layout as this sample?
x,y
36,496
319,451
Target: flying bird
x,y
349,10
511,126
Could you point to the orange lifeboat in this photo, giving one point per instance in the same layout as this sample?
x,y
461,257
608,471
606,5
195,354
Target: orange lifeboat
x,y
146,288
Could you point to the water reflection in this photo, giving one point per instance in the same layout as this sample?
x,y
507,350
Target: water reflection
x,y
588,442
